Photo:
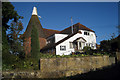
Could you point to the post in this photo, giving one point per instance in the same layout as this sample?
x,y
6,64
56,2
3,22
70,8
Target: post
x,y
78,44
72,25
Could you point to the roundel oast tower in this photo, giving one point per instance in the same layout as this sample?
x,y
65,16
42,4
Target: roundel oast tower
x,y
34,21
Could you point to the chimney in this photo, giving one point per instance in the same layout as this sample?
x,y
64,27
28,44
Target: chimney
x,y
34,11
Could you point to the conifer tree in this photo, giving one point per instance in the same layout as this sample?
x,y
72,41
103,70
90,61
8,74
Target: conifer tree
x,y
35,47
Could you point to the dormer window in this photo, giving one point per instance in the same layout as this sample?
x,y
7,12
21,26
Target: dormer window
x,y
86,33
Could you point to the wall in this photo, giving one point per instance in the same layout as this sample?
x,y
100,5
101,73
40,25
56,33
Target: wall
x,y
59,37
27,44
60,67
74,65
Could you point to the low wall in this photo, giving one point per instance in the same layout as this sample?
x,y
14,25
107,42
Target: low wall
x,y
59,67
74,65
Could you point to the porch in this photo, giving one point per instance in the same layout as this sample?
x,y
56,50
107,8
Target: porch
x,y
78,44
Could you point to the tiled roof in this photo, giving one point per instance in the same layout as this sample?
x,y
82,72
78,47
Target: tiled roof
x,y
49,32
76,27
34,21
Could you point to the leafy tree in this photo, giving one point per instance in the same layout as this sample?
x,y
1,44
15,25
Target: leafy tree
x,y
35,47
115,44
15,40
8,13
105,45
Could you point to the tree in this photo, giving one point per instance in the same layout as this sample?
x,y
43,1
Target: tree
x,y
115,44
105,45
15,40
8,13
35,47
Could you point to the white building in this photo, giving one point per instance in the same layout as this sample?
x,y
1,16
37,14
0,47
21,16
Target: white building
x,y
67,42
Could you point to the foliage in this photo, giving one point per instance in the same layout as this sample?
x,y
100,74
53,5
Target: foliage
x,y
8,13
23,64
9,59
5,46
98,54
115,44
110,46
15,41
105,45
47,55
87,50
35,47
33,63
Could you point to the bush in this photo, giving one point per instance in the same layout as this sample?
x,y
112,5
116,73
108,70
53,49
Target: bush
x,y
22,64
97,54
87,50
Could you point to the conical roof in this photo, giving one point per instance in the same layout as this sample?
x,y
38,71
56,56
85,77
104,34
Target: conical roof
x,y
34,21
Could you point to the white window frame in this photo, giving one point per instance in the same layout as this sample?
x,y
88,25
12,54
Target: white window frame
x,y
62,48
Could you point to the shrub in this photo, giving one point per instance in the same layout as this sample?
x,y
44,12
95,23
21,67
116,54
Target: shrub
x,y
87,50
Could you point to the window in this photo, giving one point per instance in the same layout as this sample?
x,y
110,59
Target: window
x,y
80,44
86,44
86,33
62,48
92,47
89,45
71,45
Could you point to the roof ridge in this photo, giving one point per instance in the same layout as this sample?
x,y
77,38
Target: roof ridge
x,y
70,26
51,29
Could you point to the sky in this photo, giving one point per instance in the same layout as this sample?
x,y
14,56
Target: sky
x,y
102,17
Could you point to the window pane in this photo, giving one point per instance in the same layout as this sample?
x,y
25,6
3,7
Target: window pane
x,y
71,45
62,47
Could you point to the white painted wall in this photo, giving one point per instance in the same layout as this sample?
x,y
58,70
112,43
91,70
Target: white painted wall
x,y
90,39
59,37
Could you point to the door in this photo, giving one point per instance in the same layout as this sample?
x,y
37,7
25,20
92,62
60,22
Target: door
x,y
80,45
